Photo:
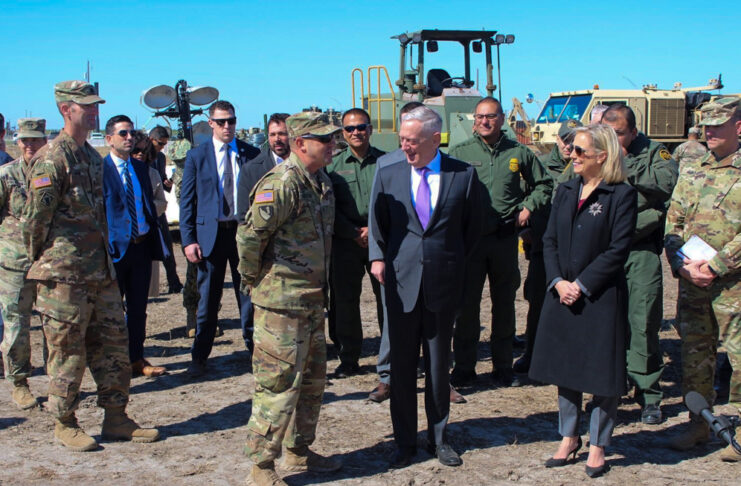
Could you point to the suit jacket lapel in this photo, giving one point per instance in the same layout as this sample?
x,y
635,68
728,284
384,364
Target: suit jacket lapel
x,y
119,183
446,180
211,163
404,177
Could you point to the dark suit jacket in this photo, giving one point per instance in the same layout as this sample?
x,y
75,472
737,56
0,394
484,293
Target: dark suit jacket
x,y
582,346
117,213
200,205
248,177
433,258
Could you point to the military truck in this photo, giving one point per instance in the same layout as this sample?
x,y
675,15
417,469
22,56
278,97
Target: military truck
x,y
452,96
664,115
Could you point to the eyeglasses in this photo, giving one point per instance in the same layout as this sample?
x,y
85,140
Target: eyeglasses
x,y
222,121
123,133
137,150
488,116
351,128
324,139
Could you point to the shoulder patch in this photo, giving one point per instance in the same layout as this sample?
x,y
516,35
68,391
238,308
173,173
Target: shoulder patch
x,y
264,197
266,212
514,164
41,182
664,154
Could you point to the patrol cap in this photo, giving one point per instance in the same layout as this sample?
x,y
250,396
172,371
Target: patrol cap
x,y
719,111
567,128
78,92
31,128
310,123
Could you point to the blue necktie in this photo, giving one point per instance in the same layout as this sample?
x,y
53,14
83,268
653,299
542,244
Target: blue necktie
x,y
131,202
422,203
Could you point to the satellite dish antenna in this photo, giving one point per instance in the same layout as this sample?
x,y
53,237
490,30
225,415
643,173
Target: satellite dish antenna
x,y
530,98
158,97
201,133
202,95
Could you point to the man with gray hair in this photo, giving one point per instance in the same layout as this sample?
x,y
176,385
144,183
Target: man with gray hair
x,y
425,223
595,116
691,150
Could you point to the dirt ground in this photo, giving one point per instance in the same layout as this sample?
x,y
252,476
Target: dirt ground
x,y
504,435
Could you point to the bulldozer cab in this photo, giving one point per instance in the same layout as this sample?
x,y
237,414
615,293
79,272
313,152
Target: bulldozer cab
x,y
452,94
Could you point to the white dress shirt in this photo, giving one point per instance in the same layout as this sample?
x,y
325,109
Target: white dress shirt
x,y
433,180
219,153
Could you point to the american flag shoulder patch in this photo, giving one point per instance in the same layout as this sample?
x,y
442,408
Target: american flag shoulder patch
x,y
41,182
264,197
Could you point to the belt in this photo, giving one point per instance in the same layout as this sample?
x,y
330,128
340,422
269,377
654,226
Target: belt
x,y
140,238
228,224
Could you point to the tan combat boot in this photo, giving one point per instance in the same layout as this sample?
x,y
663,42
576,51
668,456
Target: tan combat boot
x,y
729,454
302,459
265,475
23,398
696,433
190,323
118,426
72,436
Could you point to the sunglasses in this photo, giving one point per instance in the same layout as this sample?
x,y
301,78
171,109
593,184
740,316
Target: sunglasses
x,y
351,128
488,116
222,121
579,151
137,150
324,139
123,133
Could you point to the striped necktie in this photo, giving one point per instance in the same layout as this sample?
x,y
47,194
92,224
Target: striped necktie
x,y
131,201
228,184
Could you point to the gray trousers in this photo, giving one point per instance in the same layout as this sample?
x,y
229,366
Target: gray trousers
x,y
601,424
384,352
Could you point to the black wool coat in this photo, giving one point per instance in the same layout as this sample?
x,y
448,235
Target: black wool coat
x,y
582,346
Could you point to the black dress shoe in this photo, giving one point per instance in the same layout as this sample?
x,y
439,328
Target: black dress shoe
x,y
651,415
346,370
175,288
402,458
462,378
505,378
553,462
445,454
595,472
522,365
197,368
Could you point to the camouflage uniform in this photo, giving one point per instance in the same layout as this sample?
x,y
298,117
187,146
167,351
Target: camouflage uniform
x,y
77,295
707,203
284,250
689,152
352,180
177,151
499,167
16,293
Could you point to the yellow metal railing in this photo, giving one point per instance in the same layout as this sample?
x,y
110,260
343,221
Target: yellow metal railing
x,y
377,99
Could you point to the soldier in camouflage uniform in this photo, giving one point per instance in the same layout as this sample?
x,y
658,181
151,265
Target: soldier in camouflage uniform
x,y
707,203
177,152
16,293
691,150
500,163
352,172
284,255
65,232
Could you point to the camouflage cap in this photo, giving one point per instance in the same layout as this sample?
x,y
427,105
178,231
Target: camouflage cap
x,y
567,129
695,130
310,123
719,111
31,128
78,92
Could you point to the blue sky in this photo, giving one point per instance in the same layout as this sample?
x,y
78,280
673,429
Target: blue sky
x,y
273,56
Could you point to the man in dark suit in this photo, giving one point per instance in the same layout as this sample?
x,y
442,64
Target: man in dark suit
x,y
425,222
277,151
134,238
208,224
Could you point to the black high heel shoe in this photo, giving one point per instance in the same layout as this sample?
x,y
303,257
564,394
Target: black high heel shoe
x,y
553,462
595,472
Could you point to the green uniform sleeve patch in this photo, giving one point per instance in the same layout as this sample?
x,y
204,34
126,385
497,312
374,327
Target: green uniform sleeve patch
x,y
266,212
664,154
514,164
41,182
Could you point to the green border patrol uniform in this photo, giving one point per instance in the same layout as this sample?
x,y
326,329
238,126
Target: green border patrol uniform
x,y
352,181
707,203
499,168
284,256
17,294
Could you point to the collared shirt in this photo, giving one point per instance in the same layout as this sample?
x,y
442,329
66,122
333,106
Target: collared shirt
x,y
219,148
433,180
122,165
277,159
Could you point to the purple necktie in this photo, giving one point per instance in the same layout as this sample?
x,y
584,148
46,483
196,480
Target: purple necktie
x,y
422,203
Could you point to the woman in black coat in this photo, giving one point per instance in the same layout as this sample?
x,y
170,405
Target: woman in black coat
x,y
580,345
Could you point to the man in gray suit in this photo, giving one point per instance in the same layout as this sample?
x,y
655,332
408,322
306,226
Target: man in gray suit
x,y
425,222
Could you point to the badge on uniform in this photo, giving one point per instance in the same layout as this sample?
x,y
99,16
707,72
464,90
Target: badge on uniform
x,y
664,154
265,212
41,182
264,197
514,165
